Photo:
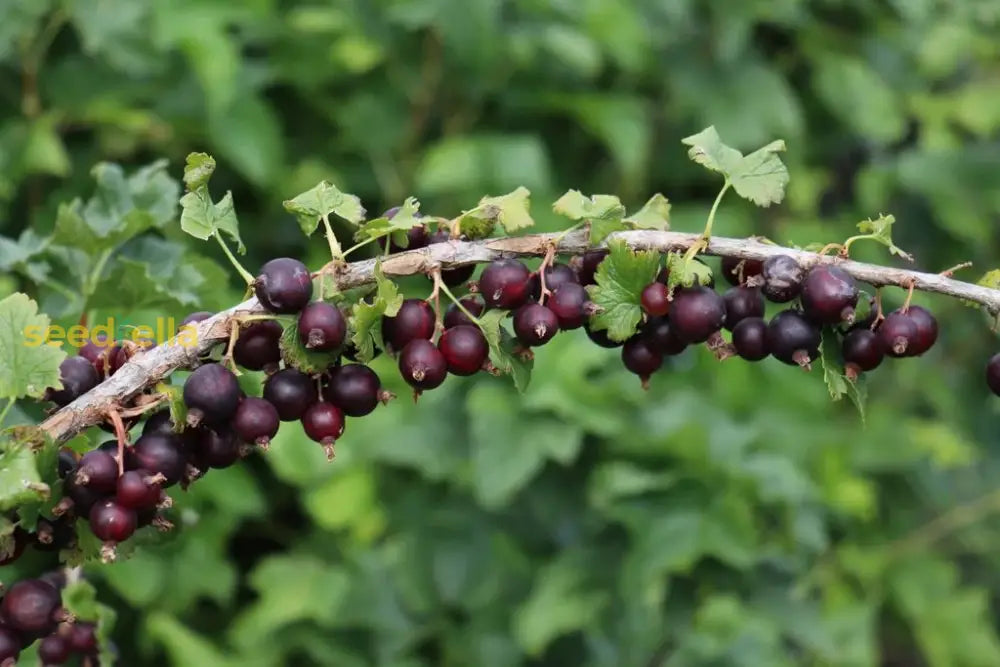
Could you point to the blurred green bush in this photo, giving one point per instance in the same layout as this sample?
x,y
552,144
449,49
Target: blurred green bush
x,y
732,515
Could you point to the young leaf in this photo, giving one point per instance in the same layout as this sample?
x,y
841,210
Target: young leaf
x,y
621,278
708,150
685,274
175,403
366,319
321,200
20,481
198,168
406,218
833,374
880,231
28,365
577,206
655,214
503,350
602,228
510,210
760,176
201,218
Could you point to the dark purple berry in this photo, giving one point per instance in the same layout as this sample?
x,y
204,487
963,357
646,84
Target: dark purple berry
x,y
322,327
324,423
284,285
656,299
697,313
556,276
927,330
256,421
459,274
54,535
657,330
83,639
415,319
112,522
505,283
750,338
211,394
111,360
569,303
10,645
53,650
354,388
198,316
641,357
137,490
66,462
993,374
78,376
161,453
741,303
733,267
464,348
792,338
422,365
30,606
257,347
535,324
588,265
111,447
862,351
94,348
601,338
829,295
897,334
217,448
291,392
98,470
158,422
782,278
454,317
82,497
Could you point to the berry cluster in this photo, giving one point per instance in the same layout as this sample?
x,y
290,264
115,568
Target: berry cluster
x,y
31,610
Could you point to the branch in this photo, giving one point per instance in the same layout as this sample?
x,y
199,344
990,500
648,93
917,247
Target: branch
x,y
150,366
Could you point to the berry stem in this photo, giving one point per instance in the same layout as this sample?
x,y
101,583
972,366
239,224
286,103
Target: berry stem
x,y
909,297
948,273
362,244
706,235
122,434
546,261
439,285
335,251
6,409
246,275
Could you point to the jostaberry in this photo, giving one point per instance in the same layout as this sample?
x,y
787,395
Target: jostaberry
x,y
993,374
641,357
257,347
697,313
211,394
284,285
750,338
415,319
897,334
862,351
741,303
734,267
464,348
454,316
829,295
656,299
354,388
324,423
322,326
782,278
78,376
569,303
793,339
505,283
137,489
291,392
30,606
161,453
422,365
535,324
111,521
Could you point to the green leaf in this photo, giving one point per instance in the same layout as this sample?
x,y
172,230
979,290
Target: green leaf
x,y
621,277
202,218
406,218
21,482
655,214
511,210
175,403
760,176
28,365
79,597
14,254
322,200
577,206
198,169
505,354
601,228
880,231
366,318
685,273
833,373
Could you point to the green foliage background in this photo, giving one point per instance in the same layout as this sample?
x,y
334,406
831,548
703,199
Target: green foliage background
x,y
732,515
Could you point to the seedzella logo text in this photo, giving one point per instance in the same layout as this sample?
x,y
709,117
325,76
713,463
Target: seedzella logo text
x,y
105,334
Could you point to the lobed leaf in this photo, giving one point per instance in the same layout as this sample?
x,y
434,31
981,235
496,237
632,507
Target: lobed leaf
x,y
28,364
621,277
654,214
833,373
322,200
760,176
366,318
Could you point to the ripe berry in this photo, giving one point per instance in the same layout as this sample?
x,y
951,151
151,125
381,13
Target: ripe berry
x,y
54,536
829,295
160,453
993,374
112,522
464,348
897,334
322,326
733,267
284,285
98,470
94,348
66,463
792,338
656,299
535,324
354,388
30,606
750,338
600,337
588,265
53,650
454,317
927,331
741,303
862,351
78,376
291,392
415,319
257,348
158,422
782,278
324,423
658,331
136,490
697,313
10,645
83,639
569,303
641,357
256,421
458,275
556,276
422,365
505,283
111,447
211,394
82,497
216,448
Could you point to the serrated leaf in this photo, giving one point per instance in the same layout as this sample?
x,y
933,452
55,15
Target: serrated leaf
x,y
18,253
708,150
833,374
760,176
20,480
295,354
511,210
27,364
324,199
685,274
402,221
198,169
366,318
577,206
202,218
601,228
655,214
621,277
880,230
504,350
